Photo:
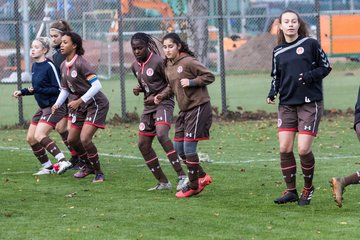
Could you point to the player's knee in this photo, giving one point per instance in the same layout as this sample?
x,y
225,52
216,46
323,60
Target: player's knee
x,y
85,140
179,148
60,129
285,148
357,129
143,145
303,150
190,148
39,136
163,138
31,140
72,141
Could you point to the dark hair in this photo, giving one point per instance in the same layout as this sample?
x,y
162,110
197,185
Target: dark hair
x,y
303,29
61,26
77,40
177,40
149,41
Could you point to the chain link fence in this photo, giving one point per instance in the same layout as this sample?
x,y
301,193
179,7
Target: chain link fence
x,y
233,38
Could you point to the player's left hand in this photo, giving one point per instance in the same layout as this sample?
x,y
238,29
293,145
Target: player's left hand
x,y
31,89
157,99
73,105
150,100
305,78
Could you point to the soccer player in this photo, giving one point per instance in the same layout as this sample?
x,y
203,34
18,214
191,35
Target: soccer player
x,y
45,88
338,184
298,67
156,119
57,30
188,79
90,107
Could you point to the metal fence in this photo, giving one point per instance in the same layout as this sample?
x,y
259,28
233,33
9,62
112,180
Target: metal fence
x,y
228,36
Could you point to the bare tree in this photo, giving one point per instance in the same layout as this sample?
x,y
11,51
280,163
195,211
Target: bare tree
x,y
197,33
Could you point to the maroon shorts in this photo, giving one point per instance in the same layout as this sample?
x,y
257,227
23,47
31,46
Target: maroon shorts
x,y
194,125
44,115
303,118
92,114
148,121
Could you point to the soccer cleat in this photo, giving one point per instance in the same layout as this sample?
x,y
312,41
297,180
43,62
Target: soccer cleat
x,y
84,172
74,160
203,182
161,186
63,166
79,165
44,171
338,189
287,197
186,192
181,182
99,177
306,196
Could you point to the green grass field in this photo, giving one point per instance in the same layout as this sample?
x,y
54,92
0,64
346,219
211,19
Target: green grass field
x,y
237,205
247,91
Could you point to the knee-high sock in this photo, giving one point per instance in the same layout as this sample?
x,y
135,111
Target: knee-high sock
x,y
152,162
173,157
308,167
288,168
192,163
64,137
352,179
40,153
52,148
93,157
82,154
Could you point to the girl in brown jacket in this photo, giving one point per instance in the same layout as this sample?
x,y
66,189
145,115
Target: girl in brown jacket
x,y
187,79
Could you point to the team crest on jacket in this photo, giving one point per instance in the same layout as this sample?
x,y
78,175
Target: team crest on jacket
x,y
149,72
141,126
179,69
300,50
74,73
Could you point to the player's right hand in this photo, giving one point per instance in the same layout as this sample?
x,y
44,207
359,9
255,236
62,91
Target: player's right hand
x,y
137,90
270,99
54,108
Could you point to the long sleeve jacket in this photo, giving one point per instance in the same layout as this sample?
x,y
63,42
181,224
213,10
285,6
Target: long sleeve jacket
x,y
46,83
303,56
186,66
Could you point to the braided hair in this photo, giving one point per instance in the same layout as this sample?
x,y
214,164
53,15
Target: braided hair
x,y
149,41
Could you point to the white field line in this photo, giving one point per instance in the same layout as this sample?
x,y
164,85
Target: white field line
x,y
212,161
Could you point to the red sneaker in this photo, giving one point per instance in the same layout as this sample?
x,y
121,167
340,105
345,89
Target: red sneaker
x,y
186,192
203,182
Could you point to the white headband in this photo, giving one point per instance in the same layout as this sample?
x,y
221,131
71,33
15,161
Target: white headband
x,y
56,29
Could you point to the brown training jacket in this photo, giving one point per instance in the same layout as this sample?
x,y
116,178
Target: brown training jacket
x,y
186,66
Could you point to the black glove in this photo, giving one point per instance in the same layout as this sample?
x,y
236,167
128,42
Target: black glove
x,y
306,78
